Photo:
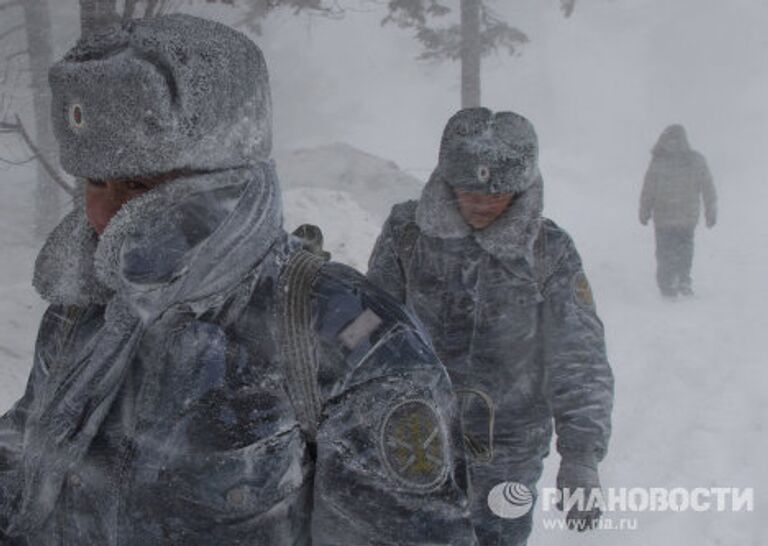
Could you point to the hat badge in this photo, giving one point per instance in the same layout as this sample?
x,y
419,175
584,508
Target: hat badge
x,y
76,116
483,173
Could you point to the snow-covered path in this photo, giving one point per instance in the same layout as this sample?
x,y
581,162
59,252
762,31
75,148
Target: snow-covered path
x,y
690,404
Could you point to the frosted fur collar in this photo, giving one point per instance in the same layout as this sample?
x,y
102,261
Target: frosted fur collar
x,y
182,233
64,269
511,236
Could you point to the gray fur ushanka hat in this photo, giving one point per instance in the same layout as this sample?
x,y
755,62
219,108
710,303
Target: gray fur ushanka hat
x,y
488,152
153,96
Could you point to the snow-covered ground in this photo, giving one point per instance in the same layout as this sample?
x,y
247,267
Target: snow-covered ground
x,y
690,403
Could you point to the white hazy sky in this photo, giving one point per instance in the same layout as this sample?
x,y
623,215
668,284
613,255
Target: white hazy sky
x,y
599,86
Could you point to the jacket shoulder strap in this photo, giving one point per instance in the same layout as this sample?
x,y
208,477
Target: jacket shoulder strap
x,y
298,343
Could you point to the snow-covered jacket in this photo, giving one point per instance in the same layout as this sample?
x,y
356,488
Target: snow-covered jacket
x,y
677,181
159,409
511,315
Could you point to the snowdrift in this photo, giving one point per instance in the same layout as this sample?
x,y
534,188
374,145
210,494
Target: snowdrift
x,y
374,183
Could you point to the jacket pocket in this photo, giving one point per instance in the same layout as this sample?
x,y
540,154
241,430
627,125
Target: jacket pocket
x,y
221,492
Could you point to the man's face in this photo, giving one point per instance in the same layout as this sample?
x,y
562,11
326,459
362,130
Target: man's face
x,y
480,210
103,198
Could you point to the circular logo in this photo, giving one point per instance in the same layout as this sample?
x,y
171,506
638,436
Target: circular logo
x,y
510,500
76,117
483,173
414,447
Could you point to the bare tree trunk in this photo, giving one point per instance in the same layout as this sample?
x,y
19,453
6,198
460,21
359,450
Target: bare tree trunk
x,y
471,53
48,198
96,14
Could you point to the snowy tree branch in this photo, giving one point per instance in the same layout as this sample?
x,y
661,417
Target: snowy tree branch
x,y
16,54
16,163
19,129
445,42
258,10
11,30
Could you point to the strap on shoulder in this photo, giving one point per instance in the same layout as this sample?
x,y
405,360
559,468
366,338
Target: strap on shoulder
x,y
298,342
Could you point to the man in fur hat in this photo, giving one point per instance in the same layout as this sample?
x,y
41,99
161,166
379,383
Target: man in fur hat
x,y
504,296
677,182
199,379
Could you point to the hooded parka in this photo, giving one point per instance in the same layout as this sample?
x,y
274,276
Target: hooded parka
x,y
677,182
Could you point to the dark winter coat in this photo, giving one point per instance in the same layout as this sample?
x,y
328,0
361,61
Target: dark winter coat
x,y
201,444
677,181
510,314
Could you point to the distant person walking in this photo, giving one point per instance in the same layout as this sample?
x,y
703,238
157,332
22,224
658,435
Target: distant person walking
x,y
677,181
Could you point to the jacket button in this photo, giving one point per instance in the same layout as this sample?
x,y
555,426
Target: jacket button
x,y
236,496
75,480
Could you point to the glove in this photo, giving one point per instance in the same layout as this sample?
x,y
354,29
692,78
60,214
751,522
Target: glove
x,y
644,217
576,474
711,220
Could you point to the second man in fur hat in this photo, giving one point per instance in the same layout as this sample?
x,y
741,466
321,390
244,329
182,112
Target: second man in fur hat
x,y
503,294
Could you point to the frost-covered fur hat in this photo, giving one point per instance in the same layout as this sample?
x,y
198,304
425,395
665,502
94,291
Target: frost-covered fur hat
x,y
486,152
506,144
157,95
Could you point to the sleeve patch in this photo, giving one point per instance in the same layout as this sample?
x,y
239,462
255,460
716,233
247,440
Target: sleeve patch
x,y
413,445
362,327
582,291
